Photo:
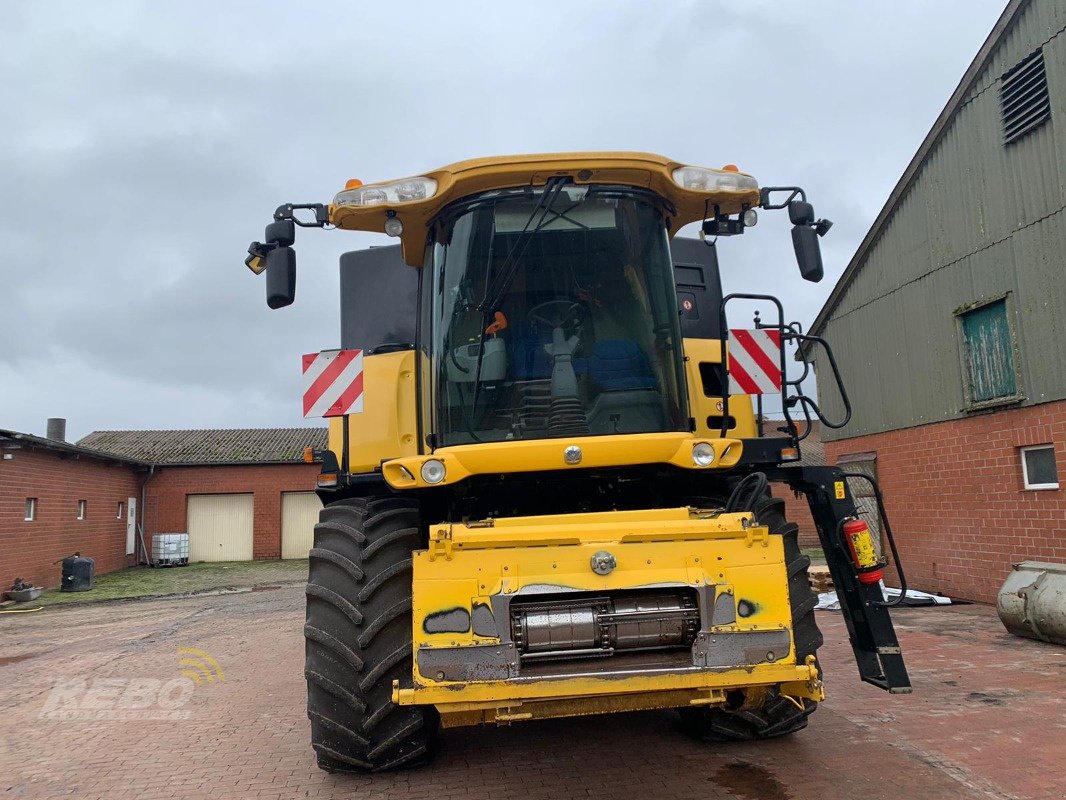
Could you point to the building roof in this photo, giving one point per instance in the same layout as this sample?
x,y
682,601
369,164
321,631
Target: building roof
x,y
954,103
811,449
9,439
195,447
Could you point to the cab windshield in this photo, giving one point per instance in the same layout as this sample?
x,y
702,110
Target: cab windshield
x,y
552,313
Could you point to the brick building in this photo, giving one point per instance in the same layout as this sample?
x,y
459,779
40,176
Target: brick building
x,y
240,494
797,509
947,323
57,499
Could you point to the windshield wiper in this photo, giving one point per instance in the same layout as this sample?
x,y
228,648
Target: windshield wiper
x,y
491,299
552,189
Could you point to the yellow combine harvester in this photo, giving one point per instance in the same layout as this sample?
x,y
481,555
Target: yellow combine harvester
x,y
542,496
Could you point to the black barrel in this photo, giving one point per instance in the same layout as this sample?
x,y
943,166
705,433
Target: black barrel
x,y
77,573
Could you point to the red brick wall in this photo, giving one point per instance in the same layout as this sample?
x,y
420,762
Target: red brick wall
x,y
27,549
955,495
797,510
170,487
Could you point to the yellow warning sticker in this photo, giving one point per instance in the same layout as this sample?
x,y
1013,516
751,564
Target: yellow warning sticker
x,y
863,546
839,487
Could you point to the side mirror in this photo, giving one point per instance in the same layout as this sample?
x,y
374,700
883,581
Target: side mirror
x,y
800,213
808,252
281,277
282,233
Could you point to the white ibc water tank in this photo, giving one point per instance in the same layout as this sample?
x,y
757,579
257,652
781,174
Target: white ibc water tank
x,y
1032,602
170,549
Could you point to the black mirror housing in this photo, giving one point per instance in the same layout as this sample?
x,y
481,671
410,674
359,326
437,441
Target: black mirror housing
x,y
281,277
800,212
808,252
282,233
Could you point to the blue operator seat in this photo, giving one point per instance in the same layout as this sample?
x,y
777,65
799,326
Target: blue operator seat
x,y
628,398
619,364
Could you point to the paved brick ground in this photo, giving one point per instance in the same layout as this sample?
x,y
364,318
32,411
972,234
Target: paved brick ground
x,y
986,721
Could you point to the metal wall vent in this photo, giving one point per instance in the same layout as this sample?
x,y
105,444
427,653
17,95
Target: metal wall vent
x,y
1023,98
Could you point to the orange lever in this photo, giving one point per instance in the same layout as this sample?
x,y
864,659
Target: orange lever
x,y
498,324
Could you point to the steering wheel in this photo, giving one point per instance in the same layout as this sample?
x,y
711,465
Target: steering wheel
x,y
557,313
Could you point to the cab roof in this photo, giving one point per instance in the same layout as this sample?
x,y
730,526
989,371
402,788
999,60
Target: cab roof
x,y
466,178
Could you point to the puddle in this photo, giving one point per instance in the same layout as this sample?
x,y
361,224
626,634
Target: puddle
x,y
987,699
5,660
751,782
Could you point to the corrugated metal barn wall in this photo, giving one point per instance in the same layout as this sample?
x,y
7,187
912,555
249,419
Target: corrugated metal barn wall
x,y
980,219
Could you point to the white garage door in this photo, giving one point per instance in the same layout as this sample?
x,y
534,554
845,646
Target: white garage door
x,y
220,527
299,513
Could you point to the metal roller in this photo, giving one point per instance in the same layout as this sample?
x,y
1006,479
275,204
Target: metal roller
x,y
601,625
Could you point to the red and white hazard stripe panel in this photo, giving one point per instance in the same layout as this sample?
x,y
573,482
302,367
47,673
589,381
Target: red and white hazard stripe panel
x,y
754,361
333,383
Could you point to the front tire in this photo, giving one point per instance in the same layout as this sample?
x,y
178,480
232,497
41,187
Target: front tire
x,y
358,638
777,715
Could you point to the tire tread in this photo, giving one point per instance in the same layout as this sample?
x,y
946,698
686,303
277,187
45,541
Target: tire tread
x,y
358,638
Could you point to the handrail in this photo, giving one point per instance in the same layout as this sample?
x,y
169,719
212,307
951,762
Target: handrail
x,y
790,332
803,400
724,366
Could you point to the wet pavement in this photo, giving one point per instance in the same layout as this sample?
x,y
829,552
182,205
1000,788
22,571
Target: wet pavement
x,y
204,697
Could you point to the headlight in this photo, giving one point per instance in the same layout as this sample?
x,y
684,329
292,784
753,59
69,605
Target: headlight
x,y
701,179
433,471
409,190
702,455
393,226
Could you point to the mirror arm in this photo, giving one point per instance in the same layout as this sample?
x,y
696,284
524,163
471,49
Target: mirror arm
x,y
794,192
287,211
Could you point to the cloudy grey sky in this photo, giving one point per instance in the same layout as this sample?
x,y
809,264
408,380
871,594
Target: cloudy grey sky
x,y
143,145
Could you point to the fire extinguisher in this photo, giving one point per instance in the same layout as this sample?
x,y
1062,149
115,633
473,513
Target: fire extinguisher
x,y
864,556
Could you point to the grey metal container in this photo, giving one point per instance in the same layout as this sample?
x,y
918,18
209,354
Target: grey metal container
x,y
170,549
1032,602
24,595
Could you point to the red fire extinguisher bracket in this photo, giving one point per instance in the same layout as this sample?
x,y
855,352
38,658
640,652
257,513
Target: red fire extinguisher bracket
x,y
864,558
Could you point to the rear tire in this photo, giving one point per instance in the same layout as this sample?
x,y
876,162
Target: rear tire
x,y
777,716
358,638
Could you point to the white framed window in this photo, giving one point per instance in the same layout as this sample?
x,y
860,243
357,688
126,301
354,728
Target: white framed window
x,y
81,509
31,509
120,511
1039,470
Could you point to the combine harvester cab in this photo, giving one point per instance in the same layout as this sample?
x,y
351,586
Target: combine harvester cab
x,y
546,491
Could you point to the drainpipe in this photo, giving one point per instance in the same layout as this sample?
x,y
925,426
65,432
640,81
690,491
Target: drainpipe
x,y
143,510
